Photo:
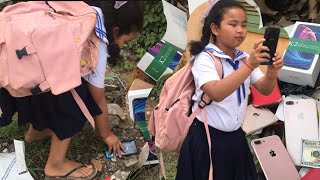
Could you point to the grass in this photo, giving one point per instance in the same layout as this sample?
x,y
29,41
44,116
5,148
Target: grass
x,y
171,161
12,131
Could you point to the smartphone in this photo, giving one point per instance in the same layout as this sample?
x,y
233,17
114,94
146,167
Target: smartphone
x,y
271,36
274,159
129,149
300,122
257,119
299,59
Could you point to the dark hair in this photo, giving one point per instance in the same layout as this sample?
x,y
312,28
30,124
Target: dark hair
x,y
215,16
128,18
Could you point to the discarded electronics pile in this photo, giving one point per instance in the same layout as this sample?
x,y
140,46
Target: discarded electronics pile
x,y
293,106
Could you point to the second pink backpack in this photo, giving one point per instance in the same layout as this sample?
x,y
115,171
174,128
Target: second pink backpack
x,y
170,120
47,46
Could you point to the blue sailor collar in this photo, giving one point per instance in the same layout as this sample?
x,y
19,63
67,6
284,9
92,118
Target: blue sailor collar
x,y
219,53
100,30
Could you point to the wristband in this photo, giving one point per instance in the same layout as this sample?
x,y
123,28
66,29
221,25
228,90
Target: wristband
x,y
244,62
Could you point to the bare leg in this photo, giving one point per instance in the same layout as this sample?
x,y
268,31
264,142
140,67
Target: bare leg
x,y
58,164
313,9
264,8
33,134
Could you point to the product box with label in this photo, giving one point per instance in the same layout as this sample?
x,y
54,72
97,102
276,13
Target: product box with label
x,y
163,57
137,98
301,59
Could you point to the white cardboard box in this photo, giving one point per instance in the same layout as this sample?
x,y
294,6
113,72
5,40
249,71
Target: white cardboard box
x,y
139,90
291,72
300,76
136,94
163,57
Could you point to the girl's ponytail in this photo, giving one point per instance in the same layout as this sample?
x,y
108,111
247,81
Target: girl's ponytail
x,y
197,46
114,55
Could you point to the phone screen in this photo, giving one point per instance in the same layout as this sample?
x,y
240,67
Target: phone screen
x,y
302,60
129,149
271,36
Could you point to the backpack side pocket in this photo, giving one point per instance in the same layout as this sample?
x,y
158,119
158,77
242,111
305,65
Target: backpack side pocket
x,y
24,68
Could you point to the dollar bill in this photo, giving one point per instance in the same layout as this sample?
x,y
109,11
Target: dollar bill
x,y
310,153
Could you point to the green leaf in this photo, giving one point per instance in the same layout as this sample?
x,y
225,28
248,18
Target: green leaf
x,y
145,23
150,19
163,20
146,43
147,6
155,29
125,65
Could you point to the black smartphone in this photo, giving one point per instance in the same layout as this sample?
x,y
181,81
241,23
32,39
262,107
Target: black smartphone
x,y
271,36
129,149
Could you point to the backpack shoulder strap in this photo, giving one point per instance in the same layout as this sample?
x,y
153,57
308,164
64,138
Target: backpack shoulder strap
x,y
217,63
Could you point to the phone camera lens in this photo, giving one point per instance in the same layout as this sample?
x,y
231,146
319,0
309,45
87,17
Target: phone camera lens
x,y
289,102
257,142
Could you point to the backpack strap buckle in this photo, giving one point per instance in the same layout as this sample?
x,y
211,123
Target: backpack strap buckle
x,y
36,90
21,52
27,50
40,88
203,103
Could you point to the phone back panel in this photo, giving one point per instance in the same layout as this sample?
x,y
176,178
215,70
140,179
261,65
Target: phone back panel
x,y
257,118
301,122
274,159
271,36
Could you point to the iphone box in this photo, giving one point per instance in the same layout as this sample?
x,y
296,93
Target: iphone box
x,y
138,91
301,59
299,76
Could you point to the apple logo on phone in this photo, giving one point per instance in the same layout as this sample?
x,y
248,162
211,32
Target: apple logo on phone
x,y
300,116
272,153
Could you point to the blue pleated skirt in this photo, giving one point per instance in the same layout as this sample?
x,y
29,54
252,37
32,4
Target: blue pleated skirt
x,y
232,159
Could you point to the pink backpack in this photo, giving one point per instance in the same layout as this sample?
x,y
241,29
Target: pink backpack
x,y
47,46
170,121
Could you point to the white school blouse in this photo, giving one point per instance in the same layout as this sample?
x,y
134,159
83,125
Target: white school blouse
x,y
97,75
226,115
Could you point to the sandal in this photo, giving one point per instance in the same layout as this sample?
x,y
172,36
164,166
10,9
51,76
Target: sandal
x,y
67,177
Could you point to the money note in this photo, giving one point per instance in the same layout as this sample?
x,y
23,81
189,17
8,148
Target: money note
x,y
310,153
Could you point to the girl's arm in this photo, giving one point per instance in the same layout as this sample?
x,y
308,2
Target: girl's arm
x,y
219,90
266,84
101,121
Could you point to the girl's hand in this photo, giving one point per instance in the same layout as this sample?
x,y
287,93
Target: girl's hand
x,y
272,70
256,56
114,144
